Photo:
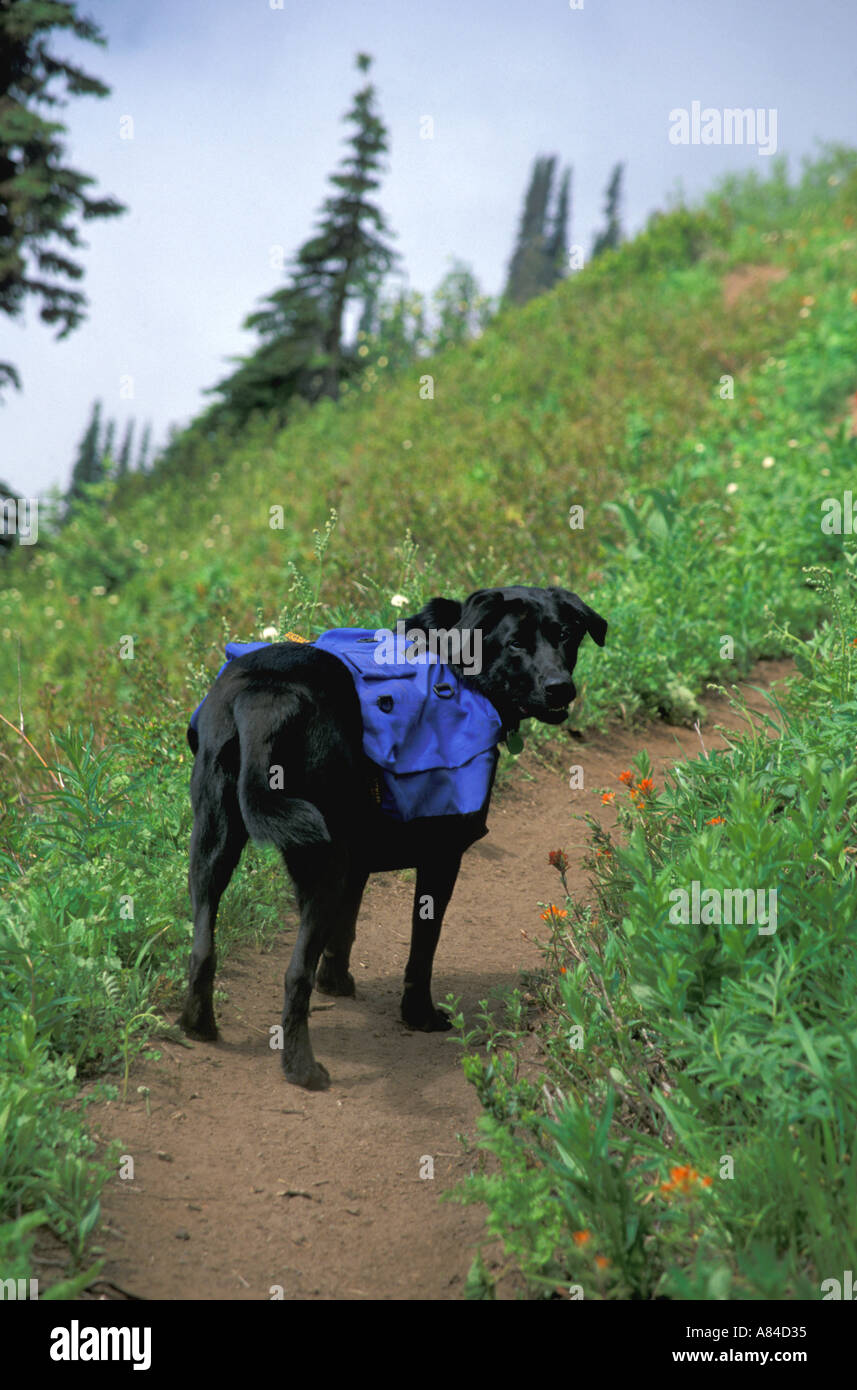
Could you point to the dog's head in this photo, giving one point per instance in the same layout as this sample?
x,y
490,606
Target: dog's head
x,y
527,641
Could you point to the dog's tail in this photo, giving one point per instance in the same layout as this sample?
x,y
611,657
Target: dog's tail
x,y
269,813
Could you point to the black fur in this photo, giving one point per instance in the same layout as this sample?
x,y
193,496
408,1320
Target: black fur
x,y
294,707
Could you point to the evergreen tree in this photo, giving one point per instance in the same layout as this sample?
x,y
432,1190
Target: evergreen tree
x,y
89,464
109,446
611,236
301,325
526,268
124,461
145,445
538,260
39,195
557,251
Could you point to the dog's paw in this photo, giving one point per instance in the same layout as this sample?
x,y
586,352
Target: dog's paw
x,y
199,1025
311,1075
330,981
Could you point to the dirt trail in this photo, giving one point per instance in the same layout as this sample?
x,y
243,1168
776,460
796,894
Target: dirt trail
x,y
243,1182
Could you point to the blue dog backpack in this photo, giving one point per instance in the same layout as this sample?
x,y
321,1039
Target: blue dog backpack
x,y
433,739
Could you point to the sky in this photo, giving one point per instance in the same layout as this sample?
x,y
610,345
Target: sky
x,y
236,112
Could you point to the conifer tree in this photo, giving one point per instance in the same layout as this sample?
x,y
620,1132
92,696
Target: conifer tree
x,y
557,253
301,325
538,260
89,464
40,196
611,236
145,445
124,461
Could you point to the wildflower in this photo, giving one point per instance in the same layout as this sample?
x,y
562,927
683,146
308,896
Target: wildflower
x,y
562,970
558,859
626,776
731,487
582,1237
554,912
602,1262
607,798
716,820
647,785
768,462
269,634
398,600
683,1179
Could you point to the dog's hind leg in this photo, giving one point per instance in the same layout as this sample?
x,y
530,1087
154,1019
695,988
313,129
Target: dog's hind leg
x,y
435,882
325,885
333,975
216,843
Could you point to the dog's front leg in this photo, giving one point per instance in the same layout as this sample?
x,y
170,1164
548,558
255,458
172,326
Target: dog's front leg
x,y
435,882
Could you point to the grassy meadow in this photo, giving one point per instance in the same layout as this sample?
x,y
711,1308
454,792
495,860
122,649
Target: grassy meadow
x,y
693,392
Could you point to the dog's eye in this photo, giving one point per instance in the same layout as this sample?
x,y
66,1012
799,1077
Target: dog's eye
x,y
515,647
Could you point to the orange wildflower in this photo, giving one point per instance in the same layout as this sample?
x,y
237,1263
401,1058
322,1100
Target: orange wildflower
x,y
582,1237
607,798
716,820
683,1179
602,1262
553,911
626,776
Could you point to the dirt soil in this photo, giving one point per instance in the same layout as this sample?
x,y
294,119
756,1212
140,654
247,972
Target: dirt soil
x,y
243,1183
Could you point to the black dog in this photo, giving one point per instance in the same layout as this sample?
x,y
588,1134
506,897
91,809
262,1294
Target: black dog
x,y
295,707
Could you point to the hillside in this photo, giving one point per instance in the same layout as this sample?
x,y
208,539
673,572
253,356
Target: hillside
x,y
693,393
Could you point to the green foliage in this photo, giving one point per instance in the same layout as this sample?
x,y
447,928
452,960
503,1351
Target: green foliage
x,y
702,545
40,196
701,1067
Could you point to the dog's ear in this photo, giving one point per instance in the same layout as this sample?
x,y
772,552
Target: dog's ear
x,y
595,625
439,614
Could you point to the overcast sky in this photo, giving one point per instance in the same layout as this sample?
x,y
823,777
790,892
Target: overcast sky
x,y
237,106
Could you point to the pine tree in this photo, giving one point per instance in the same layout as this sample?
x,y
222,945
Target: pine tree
x,y
145,445
539,258
39,195
611,236
124,462
89,464
301,325
526,268
557,251
108,447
